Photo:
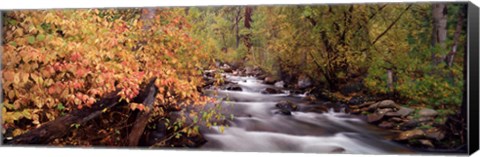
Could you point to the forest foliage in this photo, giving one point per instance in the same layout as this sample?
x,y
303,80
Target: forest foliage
x,y
56,61
337,45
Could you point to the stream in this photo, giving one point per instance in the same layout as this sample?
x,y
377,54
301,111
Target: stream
x,y
258,127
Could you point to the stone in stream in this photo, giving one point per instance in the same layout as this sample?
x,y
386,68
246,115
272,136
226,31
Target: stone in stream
x,y
314,108
269,90
279,84
226,68
426,112
410,134
427,143
402,112
396,119
337,150
269,80
435,133
385,125
286,107
304,82
249,71
374,117
387,104
233,87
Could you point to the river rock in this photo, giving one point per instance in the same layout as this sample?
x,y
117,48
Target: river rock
x,y
385,125
366,104
226,68
304,82
286,107
269,80
374,117
402,112
315,108
387,104
310,98
355,111
233,87
269,90
249,71
373,107
396,119
384,110
435,133
410,134
337,150
427,143
426,112
410,124
279,84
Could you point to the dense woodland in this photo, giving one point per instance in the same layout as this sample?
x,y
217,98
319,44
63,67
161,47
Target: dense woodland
x,y
113,72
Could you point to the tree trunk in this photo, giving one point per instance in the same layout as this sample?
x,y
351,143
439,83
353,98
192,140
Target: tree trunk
x,y
142,119
247,23
439,34
390,80
458,30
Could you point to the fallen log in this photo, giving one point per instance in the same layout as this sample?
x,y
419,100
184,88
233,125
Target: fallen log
x,y
61,126
142,119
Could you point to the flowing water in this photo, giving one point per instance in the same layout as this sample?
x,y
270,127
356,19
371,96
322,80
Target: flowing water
x,y
258,127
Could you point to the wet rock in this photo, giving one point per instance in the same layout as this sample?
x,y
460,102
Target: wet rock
x,y
262,77
426,112
425,119
402,112
410,134
304,82
286,107
337,107
310,98
249,71
435,133
233,87
209,73
226,68
269,80
366,104
236,73
269,90
410,124
355,111
396,119
386,125
279,84
384,110
373,107
338,150
374,117
427,143
315,108
387,104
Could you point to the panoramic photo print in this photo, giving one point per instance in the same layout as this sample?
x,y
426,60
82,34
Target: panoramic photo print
x,y
380,78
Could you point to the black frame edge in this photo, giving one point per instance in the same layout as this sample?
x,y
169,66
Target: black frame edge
x,y
473,79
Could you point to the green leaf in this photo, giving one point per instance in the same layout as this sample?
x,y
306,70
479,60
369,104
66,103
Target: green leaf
x,y
40,37
31,39
60,107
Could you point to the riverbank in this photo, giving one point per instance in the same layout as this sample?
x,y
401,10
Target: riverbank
x,y
417,128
